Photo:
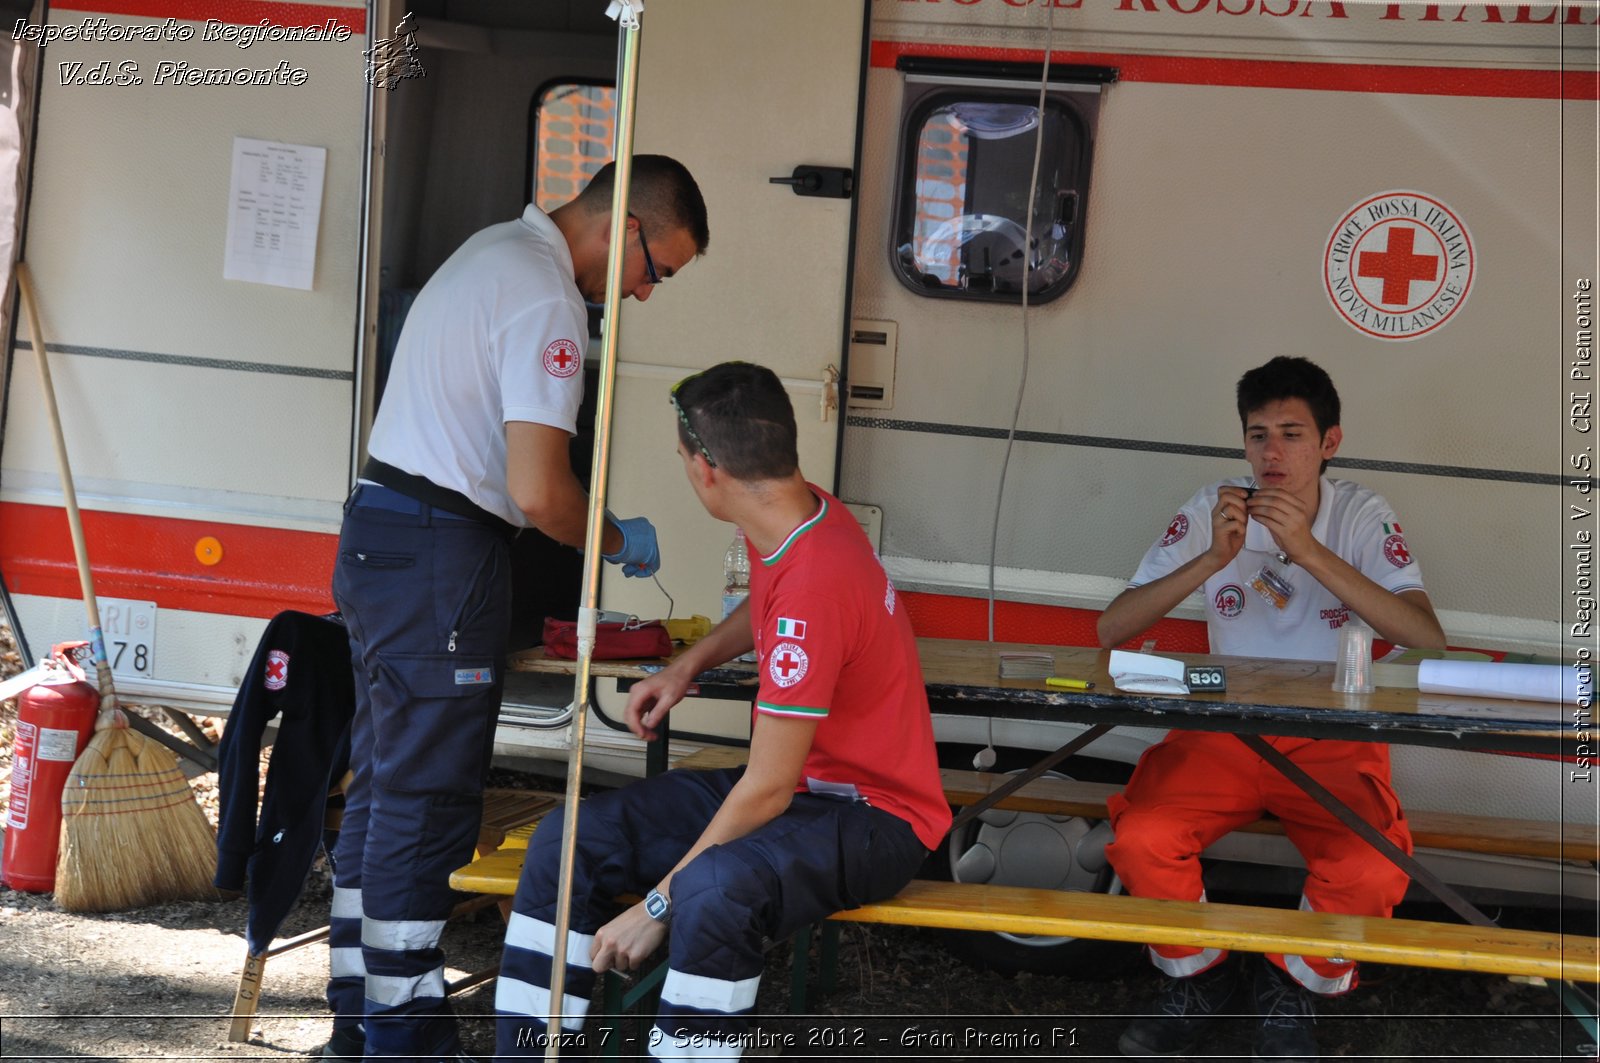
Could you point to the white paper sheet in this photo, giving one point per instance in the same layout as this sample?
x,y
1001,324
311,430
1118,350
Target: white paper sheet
x,y
274,210
1493,679
1145,673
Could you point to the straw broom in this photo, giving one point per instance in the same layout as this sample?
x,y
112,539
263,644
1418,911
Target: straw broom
x,y
132,832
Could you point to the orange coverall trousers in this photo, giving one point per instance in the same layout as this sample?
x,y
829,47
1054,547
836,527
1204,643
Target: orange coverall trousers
x,y
1194,787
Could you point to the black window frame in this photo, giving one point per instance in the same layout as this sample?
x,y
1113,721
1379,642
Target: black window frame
x,y
967,82
528,191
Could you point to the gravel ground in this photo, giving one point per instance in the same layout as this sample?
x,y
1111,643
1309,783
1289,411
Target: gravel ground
x,y
158,983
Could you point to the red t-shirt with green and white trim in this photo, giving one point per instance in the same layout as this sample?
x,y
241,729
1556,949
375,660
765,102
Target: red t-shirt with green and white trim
x,y
835,646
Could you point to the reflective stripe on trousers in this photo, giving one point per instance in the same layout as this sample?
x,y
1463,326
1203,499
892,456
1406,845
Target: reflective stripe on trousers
x,y
822,855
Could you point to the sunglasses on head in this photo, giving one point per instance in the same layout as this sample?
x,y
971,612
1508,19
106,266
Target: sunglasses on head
x,y
683,418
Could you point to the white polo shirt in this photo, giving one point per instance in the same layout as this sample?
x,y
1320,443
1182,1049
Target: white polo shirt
x,y
497,334
1352,521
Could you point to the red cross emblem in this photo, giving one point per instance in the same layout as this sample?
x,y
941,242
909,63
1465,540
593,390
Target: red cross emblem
x,y
788,664
561,358
277,670
1394,548
1176,530
1397,266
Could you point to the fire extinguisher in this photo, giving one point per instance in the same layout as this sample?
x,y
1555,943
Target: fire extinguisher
x,y
55,720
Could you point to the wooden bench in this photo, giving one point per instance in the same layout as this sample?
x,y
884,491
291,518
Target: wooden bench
x,y
1432,830
1072,797
964,906
1118,917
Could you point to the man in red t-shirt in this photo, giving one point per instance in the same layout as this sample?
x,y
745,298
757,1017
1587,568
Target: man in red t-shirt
x,y
841,801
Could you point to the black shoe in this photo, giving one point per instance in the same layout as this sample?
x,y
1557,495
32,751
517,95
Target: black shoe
x,y
1180,1015
1287,1012
347,1045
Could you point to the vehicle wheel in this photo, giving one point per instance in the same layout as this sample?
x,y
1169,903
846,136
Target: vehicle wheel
x,y
1045,852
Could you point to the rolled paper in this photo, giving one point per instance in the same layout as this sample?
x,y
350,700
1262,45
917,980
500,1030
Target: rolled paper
x,y
1493,679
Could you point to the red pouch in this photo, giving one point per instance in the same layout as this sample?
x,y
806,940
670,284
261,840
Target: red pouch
x,y
613,641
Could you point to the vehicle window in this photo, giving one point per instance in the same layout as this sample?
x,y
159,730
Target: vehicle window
x,y
962,210
572,138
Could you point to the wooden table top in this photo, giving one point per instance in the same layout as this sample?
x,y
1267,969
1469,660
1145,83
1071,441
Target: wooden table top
x,y
1263,696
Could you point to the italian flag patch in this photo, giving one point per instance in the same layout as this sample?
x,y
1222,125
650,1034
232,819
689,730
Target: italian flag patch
x,y
791,629
1391,529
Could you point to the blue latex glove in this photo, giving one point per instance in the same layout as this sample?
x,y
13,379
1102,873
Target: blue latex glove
x,y
639,556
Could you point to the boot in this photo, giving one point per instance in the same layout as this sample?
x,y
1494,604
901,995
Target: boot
x,y
1288,1011
347,1045
1181,1011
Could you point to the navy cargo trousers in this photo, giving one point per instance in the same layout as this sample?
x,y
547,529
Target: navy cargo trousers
x,y
427,598
823,855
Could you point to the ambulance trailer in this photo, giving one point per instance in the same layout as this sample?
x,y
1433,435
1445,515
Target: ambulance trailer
x,y
227,208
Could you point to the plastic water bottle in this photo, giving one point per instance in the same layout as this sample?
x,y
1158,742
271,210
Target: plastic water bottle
x,y
736,579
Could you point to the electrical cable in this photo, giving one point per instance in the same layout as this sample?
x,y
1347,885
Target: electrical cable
x,y
663,590
1027,263
985,758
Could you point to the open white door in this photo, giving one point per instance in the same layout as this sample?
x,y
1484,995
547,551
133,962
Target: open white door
x,y
772,286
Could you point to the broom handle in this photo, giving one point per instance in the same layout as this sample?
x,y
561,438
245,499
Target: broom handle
x,y
97,640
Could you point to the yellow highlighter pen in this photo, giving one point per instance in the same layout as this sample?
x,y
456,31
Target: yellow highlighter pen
x,y
1068,684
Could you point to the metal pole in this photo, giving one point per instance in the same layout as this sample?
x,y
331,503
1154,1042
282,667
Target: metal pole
x,y
627,77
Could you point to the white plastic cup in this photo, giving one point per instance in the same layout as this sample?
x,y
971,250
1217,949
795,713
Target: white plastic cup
x,y
1352,669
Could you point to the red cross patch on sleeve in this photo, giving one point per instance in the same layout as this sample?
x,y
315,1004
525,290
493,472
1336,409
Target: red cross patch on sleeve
x,y
277,672
1394,548
562,358
788,664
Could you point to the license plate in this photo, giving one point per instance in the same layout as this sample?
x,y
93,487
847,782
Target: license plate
x,y
130,631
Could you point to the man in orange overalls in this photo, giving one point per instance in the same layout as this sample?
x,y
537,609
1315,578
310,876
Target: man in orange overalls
x,y
1285,558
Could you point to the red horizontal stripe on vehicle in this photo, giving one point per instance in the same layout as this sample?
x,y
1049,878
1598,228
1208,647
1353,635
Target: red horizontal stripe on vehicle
x,y
263,571
1280,74
233,12
949,616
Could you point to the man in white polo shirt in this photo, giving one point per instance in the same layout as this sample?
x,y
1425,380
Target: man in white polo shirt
x,y
1284,558
470,445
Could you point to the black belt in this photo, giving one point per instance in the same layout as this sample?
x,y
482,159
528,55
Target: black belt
x,y
426,491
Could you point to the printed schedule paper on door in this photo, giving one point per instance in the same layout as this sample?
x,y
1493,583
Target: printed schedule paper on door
x,y
274,209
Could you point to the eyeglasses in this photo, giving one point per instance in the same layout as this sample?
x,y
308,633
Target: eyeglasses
x,y
649,262
683,417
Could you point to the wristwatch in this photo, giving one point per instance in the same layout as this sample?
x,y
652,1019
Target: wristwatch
x,y
658,907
